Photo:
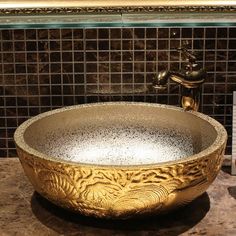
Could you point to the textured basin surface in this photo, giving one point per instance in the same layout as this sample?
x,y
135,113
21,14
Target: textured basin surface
x,y
119,160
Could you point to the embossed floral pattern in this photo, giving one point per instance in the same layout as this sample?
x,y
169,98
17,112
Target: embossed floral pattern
x,y
121,192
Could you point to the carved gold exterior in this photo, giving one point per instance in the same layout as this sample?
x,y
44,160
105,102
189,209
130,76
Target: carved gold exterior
x,y
121,192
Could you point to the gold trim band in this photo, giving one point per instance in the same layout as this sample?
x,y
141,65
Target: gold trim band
x,y
128,9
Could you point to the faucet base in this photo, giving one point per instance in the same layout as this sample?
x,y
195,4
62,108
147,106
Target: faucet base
x,y
190,98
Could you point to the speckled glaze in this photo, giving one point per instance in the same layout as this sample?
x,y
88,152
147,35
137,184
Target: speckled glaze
x,y
130,184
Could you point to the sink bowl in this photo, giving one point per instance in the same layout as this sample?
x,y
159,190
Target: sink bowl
x,y
120,160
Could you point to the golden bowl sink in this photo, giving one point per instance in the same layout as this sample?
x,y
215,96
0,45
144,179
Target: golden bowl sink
x,y
119,160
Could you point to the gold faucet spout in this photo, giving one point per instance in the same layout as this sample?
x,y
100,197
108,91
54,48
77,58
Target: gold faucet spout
x,y
190,92
190,79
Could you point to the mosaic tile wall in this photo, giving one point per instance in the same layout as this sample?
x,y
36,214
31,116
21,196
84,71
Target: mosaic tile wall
x,y
44,69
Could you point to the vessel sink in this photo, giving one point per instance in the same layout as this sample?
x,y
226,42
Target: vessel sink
x,y
121,160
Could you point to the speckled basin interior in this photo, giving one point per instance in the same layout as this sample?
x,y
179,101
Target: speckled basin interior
x,y
118,134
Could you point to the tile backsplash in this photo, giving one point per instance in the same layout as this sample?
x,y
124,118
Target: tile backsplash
x,y
43,69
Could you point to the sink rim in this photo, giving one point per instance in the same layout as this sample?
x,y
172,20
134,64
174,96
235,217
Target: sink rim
x,y
22,144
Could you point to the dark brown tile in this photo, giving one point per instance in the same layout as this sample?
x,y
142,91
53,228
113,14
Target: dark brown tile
x,y
198,44
43,34
163,33
127,67
151,44
138,56
103,33
115,45
104,45
198,33
174,44
127,33
7,46
232,44
151,33
116,78
54,33
210,44
115,67
104,67
115,56
175,33
103,56
91,56
91,67
19,34
187,32
66,33
222,56
139,33
222,32
151,56
55,45
68,100
138,67
66,45
222,44
7,34
91,33
9,58
91,45
78,45
232,32
210,32
79,67
163,44
115,33
210,56
78,33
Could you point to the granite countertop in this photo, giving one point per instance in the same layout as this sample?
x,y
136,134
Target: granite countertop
x,y
24,212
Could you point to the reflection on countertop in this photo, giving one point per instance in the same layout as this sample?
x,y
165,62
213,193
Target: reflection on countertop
x,y
24,212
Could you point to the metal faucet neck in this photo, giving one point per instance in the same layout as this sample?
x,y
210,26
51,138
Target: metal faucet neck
x,y
190,78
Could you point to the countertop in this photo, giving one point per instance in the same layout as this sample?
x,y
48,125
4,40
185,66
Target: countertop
x,y
24,212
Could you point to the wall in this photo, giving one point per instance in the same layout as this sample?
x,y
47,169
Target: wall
x,y
44,69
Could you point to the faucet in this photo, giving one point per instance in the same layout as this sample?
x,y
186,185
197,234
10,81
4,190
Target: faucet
x,y
190,78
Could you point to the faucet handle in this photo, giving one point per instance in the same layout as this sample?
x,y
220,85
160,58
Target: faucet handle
x,y
191,58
